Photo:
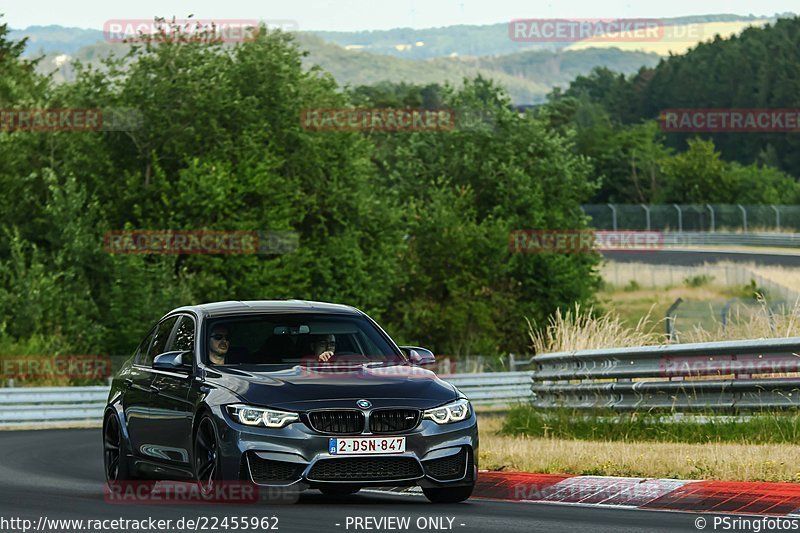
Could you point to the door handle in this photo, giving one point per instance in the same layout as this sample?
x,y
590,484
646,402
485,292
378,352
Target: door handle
x,y
155,389
128,383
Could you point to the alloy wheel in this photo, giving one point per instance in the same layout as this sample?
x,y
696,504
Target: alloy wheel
x,y
206,456
111,448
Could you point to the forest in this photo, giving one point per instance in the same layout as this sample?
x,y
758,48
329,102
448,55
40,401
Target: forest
x,y
412,227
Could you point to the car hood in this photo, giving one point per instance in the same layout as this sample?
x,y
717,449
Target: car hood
x,y
301,388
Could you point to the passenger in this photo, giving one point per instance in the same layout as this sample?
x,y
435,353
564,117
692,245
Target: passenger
x,y
218,345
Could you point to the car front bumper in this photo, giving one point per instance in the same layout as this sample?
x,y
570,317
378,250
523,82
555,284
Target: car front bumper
x,y
297,456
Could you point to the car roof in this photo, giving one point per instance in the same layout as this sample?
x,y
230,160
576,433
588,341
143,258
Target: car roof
x,y
235,307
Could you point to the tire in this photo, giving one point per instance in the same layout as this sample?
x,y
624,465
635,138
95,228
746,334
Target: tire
x,y
339,491
448,495
115,462
206,455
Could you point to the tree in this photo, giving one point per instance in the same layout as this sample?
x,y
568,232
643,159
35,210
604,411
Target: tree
x,y
697,176
462,192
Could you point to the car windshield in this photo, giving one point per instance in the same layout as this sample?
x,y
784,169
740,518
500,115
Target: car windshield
x,y
291,339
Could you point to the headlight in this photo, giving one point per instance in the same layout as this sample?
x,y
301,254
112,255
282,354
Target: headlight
x,y
258,416
452,412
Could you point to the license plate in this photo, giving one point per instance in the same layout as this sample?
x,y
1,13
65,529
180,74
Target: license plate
x,y
366,445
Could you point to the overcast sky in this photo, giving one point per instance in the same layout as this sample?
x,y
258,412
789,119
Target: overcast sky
x,y
349,15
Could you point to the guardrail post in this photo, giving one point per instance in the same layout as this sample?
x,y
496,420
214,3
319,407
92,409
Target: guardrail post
x,y
744,216
670,320
512,363
777,217
711,210
680,218
613,216
10,383
646,215
725,310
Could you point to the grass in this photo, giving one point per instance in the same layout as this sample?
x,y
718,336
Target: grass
x,y
645,292
582,328
710,460
760,428
633,304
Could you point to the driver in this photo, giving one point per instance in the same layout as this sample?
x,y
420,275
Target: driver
x,y
218,344
323,347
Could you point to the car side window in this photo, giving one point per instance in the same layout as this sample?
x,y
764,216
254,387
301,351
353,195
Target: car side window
x,y
141,352
160,342
184,339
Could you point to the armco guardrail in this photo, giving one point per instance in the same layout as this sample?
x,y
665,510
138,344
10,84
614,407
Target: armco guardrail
x,y
51,405
493,388
47,406
722,238
727,375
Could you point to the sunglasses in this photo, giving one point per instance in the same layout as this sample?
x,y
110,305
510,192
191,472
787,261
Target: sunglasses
x,y
219,337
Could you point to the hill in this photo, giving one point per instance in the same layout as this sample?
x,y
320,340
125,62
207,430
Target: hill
x,y
486,40
43,40
436,55
528,76
758,69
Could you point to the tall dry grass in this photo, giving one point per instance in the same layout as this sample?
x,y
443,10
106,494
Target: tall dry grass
x,y
582,329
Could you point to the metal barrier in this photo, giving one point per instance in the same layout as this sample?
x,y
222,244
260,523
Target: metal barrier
x,y
48,406
721,238
493,388
52,406
752,374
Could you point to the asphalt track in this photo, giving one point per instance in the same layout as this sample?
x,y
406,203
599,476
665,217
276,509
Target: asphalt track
x,y
59,474
690,257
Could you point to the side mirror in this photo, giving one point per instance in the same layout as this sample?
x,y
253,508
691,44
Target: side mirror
x,y
172,361
419,356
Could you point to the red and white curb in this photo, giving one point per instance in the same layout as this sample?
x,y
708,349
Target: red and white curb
x,y
738,497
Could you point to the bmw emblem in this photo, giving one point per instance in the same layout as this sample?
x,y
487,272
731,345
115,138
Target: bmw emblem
x,y
364,404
